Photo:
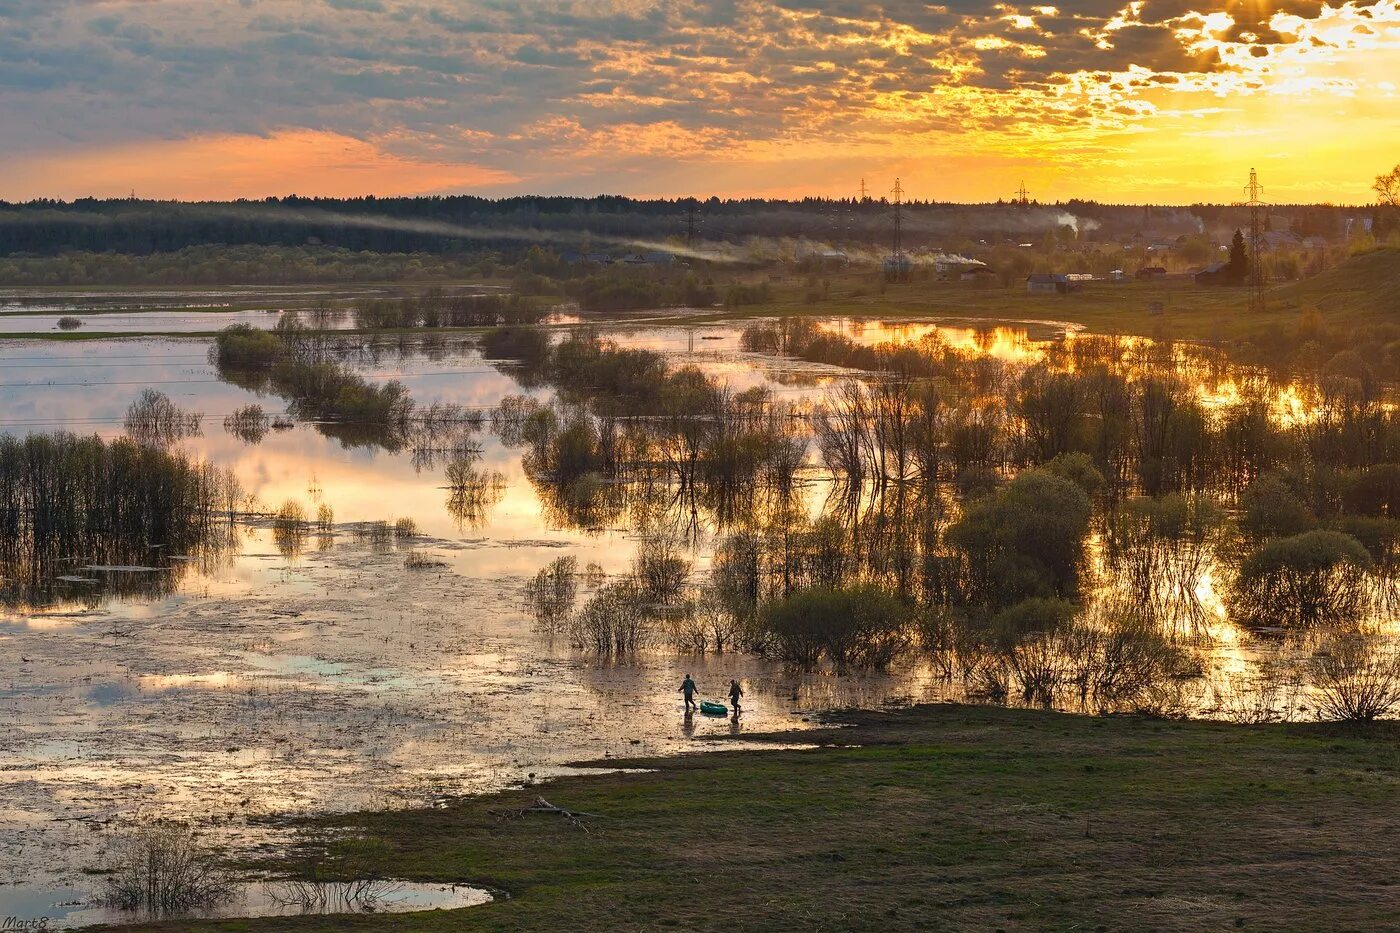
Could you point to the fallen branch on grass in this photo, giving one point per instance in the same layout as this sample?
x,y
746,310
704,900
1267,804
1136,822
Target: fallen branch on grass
x,y
541,805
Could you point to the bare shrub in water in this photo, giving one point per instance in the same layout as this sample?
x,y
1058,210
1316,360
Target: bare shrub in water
x,y
379,535
154,419
704,624
472,493
164,869
937,633
325,527
1124,664
550,596
685,630
615,620
418,560
1051,655
68,322
1031,636
249,424
1264,695
290,528
660,570
1356,678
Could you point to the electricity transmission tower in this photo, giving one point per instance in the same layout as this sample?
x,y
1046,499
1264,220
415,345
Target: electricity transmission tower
x,y
898,193
690,224
896,265
1023,197
1256,224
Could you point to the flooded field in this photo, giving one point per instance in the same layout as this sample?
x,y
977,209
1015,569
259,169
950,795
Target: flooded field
x,y
175,311
360,634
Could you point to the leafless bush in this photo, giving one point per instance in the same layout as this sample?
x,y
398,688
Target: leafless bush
x,y
1125,665
155,420
615,620
938,637
418,560
985,674
1265,695
379,535
660,570
290,528
249,424
703,624
164,869
1040,666
685,630
1356,678
550,596
472,493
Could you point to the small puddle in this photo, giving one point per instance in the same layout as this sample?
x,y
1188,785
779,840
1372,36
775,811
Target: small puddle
x,y
31,907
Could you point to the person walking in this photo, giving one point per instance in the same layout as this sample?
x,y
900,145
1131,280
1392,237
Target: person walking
x,y
735,692
689,689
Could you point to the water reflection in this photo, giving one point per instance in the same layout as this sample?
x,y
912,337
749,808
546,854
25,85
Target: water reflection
x,y
297,666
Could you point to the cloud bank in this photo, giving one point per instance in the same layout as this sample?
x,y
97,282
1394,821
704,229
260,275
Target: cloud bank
x,y
1118,99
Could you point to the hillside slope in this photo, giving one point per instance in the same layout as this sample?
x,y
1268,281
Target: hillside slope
x,y
1368,283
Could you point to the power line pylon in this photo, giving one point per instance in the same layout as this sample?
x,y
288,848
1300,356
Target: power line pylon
x,y
898,193
862,190
1023,197
690,223
1256,271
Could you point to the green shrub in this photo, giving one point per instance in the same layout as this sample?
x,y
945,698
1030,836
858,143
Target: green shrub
x,y
1026,539
1270,507
1315,578
853,626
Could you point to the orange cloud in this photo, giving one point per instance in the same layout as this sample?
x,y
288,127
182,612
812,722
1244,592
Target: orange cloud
x,y
227,167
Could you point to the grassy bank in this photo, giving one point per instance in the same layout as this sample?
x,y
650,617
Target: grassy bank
x,y
1359,292
936,817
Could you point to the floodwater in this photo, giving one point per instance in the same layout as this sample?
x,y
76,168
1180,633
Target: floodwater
x,y
266,684
278,680
67,909
176,311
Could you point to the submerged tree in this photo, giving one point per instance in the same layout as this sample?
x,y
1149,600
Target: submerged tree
x,y
1026,539
64,497
854,626
1315,578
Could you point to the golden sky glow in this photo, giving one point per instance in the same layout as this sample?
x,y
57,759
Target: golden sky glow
x,y
1121,100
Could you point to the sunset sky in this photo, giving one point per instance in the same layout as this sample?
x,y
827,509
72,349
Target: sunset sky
x,y
1155,100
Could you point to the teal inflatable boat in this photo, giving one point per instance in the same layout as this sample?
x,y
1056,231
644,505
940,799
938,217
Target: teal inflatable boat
x,y
713,709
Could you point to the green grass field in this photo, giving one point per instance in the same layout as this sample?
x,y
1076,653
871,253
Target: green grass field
x,y
940,817
1363,291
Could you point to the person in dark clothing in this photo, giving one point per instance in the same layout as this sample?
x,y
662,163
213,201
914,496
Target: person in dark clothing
x,y
735,692
689,689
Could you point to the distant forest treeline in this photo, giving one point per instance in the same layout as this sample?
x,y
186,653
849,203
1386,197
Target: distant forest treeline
x,y
465,224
